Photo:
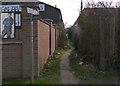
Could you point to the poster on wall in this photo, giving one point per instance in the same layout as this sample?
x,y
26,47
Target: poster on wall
x,y
7,25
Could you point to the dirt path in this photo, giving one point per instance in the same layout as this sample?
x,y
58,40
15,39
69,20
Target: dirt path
x,y
66,76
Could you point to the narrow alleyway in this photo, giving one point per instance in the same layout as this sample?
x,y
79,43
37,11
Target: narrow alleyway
x,y
66,75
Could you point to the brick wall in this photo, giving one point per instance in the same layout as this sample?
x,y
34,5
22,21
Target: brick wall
x,y
17,52
43,43
57,37
52,40
12,60
26,54
35,41
52,35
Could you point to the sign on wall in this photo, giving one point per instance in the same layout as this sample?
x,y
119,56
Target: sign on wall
x,y
32,11
7,25
10,8
42,7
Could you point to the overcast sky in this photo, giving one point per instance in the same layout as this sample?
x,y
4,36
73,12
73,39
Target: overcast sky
x,y
69,8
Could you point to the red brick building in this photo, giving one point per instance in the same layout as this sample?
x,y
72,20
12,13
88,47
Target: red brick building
x,y
16,50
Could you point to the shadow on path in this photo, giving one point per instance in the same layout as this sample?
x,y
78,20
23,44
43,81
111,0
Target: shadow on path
x,y
66,75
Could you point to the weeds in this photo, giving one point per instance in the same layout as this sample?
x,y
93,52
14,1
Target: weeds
x,y
88,74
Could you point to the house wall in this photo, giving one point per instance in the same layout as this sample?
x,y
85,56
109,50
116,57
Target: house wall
x,y
16,53
52,13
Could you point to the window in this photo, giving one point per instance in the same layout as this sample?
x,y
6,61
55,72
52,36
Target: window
x,y
18,19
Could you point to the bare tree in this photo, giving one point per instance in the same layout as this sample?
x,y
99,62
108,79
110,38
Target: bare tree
x,y
101,4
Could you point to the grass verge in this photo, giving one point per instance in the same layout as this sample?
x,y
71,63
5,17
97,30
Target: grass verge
x,y
50,74
89,75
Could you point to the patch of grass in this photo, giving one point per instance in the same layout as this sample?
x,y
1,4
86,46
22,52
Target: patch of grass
x,y
88,75
16,81
50,74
